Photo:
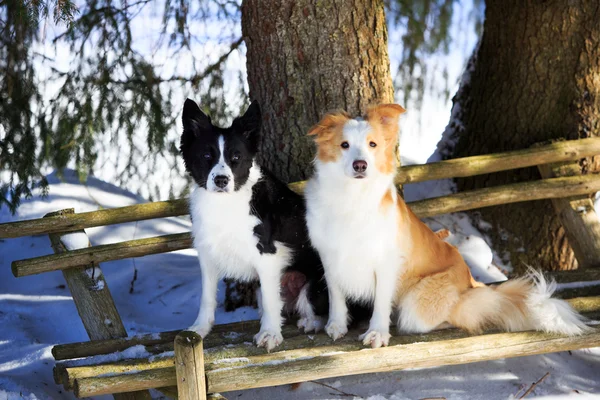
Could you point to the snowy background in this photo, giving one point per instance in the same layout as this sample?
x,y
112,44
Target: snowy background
x,y
37,312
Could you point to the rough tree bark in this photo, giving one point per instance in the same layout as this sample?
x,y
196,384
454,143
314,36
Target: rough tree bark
x,y
535,77
305,58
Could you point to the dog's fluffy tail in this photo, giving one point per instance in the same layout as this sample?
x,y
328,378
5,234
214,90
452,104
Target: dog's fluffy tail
x,y
517,305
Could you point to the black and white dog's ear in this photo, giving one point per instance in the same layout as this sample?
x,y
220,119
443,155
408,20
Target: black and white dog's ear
x,y
249,123
194,120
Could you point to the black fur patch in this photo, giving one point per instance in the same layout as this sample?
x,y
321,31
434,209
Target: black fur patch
x,y
200,143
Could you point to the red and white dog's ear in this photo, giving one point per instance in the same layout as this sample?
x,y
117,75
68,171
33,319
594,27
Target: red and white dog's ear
x,y
328,125
385,116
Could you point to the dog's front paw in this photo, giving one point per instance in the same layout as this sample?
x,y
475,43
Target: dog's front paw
x,y
200,329
265,245
336,330
268,338
311,324
375,338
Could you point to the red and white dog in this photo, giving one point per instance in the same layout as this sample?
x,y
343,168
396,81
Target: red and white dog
x,y
374,249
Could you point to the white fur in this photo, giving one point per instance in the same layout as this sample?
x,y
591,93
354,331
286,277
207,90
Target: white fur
x,y
355,133
308,321
221,168
356,239
549,314
222,227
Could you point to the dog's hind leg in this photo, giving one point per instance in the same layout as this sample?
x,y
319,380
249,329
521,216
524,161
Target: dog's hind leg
x,y
308,321
427,305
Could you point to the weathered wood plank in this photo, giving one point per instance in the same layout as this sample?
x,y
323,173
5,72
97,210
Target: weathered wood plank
x,y
149,379
236,355
92,298
189,366
507,194
578,217
75,222
91,294
230,334
65,374
225,334
477,165
342,359
576,276
106,252
526,191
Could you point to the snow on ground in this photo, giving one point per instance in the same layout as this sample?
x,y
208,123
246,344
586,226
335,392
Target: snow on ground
x,y
37,312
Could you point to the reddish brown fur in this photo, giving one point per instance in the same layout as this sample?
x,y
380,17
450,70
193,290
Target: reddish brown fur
x,y
442,233
384,121
436,274
329,136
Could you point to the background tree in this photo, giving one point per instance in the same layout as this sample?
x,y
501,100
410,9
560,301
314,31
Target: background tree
x,y
115,92
535,77
305,58
104,79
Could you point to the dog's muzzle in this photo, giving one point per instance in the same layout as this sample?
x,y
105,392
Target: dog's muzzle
x,y
360,168
221,181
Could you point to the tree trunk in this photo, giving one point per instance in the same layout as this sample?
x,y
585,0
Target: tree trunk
x,y
305,58
535,77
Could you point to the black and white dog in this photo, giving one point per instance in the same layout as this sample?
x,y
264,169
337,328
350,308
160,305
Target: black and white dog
x,y
248,225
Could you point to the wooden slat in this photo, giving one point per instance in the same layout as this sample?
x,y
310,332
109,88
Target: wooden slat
x,y
233,333
342,359
578,217
91,295
93,300
486,164
189,366
106,252
507,194
65,375
111,216
233,341
243,331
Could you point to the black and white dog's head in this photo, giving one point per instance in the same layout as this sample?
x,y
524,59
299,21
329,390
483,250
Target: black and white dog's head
x,y
219,159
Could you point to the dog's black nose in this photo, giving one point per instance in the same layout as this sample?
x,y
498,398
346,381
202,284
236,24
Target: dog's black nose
x,y
359,165
221,181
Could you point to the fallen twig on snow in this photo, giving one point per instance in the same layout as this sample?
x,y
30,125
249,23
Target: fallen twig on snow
x,y
342,393
534,384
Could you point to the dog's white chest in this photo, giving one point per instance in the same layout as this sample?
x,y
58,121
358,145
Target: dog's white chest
x,y
223,229
223,232
354,244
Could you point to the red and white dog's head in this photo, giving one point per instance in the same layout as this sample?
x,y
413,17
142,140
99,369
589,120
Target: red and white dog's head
x,y
360,148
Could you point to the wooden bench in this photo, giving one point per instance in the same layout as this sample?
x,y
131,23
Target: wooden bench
x,y
181,364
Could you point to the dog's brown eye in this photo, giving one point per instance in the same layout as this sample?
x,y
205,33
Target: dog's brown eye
x,y
207,156
373,144
345,145
235,157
